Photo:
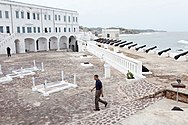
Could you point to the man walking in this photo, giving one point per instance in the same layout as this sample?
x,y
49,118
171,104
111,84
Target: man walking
x,y
99,92
8,51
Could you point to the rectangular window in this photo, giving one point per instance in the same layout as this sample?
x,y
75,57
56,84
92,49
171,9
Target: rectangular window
x,y
23,29
74,29
56,17
22,15
69,29
18,29
59,18
73,19
34,16
49,17
50,29
38,29
69,19
28,15
1,14
1,29
6,14
65,19
17,14
29,30
34,29
76,19
56,29
65,29
38,16
59,29
8,29
45,17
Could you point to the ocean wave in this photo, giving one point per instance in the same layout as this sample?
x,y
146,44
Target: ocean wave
x,y
183,41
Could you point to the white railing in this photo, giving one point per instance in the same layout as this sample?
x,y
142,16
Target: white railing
x,y
116,60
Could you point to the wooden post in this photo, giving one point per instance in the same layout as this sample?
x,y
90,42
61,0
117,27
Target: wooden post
x,y
34,87
34,63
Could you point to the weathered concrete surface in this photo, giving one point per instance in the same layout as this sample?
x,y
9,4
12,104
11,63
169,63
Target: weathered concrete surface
x,y
19,105
159,114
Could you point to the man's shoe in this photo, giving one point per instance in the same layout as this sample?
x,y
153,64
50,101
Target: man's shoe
x,y
96,109
106,105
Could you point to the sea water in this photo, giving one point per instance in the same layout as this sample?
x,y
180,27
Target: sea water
x,y
163,40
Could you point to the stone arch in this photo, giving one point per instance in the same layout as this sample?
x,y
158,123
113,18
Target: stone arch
x,y
63,42
53,43
29,45
73,44
41,44
17,46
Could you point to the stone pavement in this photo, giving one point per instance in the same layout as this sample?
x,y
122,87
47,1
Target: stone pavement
x,y
19,105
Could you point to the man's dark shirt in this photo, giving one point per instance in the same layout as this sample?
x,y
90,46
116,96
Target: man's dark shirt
x,y
98,85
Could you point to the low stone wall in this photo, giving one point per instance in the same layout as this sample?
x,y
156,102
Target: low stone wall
x,y
170,94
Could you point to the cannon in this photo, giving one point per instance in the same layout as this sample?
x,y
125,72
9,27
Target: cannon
x,y
152,48
179,55
117,44
128,43
141,47
132,46
164,51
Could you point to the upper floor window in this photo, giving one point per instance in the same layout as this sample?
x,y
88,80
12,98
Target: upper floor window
x,y
59,29
0,14
74,29
38,29
22,14
65,18
76,19
29,30
34,16
34,29
69,29
59,18
73,19
38,16
18,29
56,30
28,15
49,17
50,29
45,17
1,29
6,14
23,29
65,29
69,19
17,14
55,17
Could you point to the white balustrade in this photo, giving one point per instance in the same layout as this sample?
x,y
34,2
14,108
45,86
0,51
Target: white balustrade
x,y
116,60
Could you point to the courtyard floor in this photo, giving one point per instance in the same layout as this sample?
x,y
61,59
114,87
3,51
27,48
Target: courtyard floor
x,y
19,105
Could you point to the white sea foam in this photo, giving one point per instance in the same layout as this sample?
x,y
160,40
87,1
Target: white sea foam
x,y
183,41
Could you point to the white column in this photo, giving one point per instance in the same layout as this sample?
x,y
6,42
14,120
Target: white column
x,y
35,46
34,89
45,88
1,72
47,46
62,76
107,71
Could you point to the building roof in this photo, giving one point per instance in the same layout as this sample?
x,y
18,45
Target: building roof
x,y
33,5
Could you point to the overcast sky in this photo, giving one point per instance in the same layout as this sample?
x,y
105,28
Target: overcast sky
x,y
169,15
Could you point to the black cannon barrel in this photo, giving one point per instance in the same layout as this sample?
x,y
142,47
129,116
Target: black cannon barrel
x,y
140,47
152,48
132,46
164,51
179,55
128,43
117,44
122,45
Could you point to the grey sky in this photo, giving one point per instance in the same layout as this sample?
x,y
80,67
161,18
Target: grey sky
x,y
170,15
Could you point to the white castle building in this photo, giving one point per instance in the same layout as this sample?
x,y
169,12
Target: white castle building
x,y
31,28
